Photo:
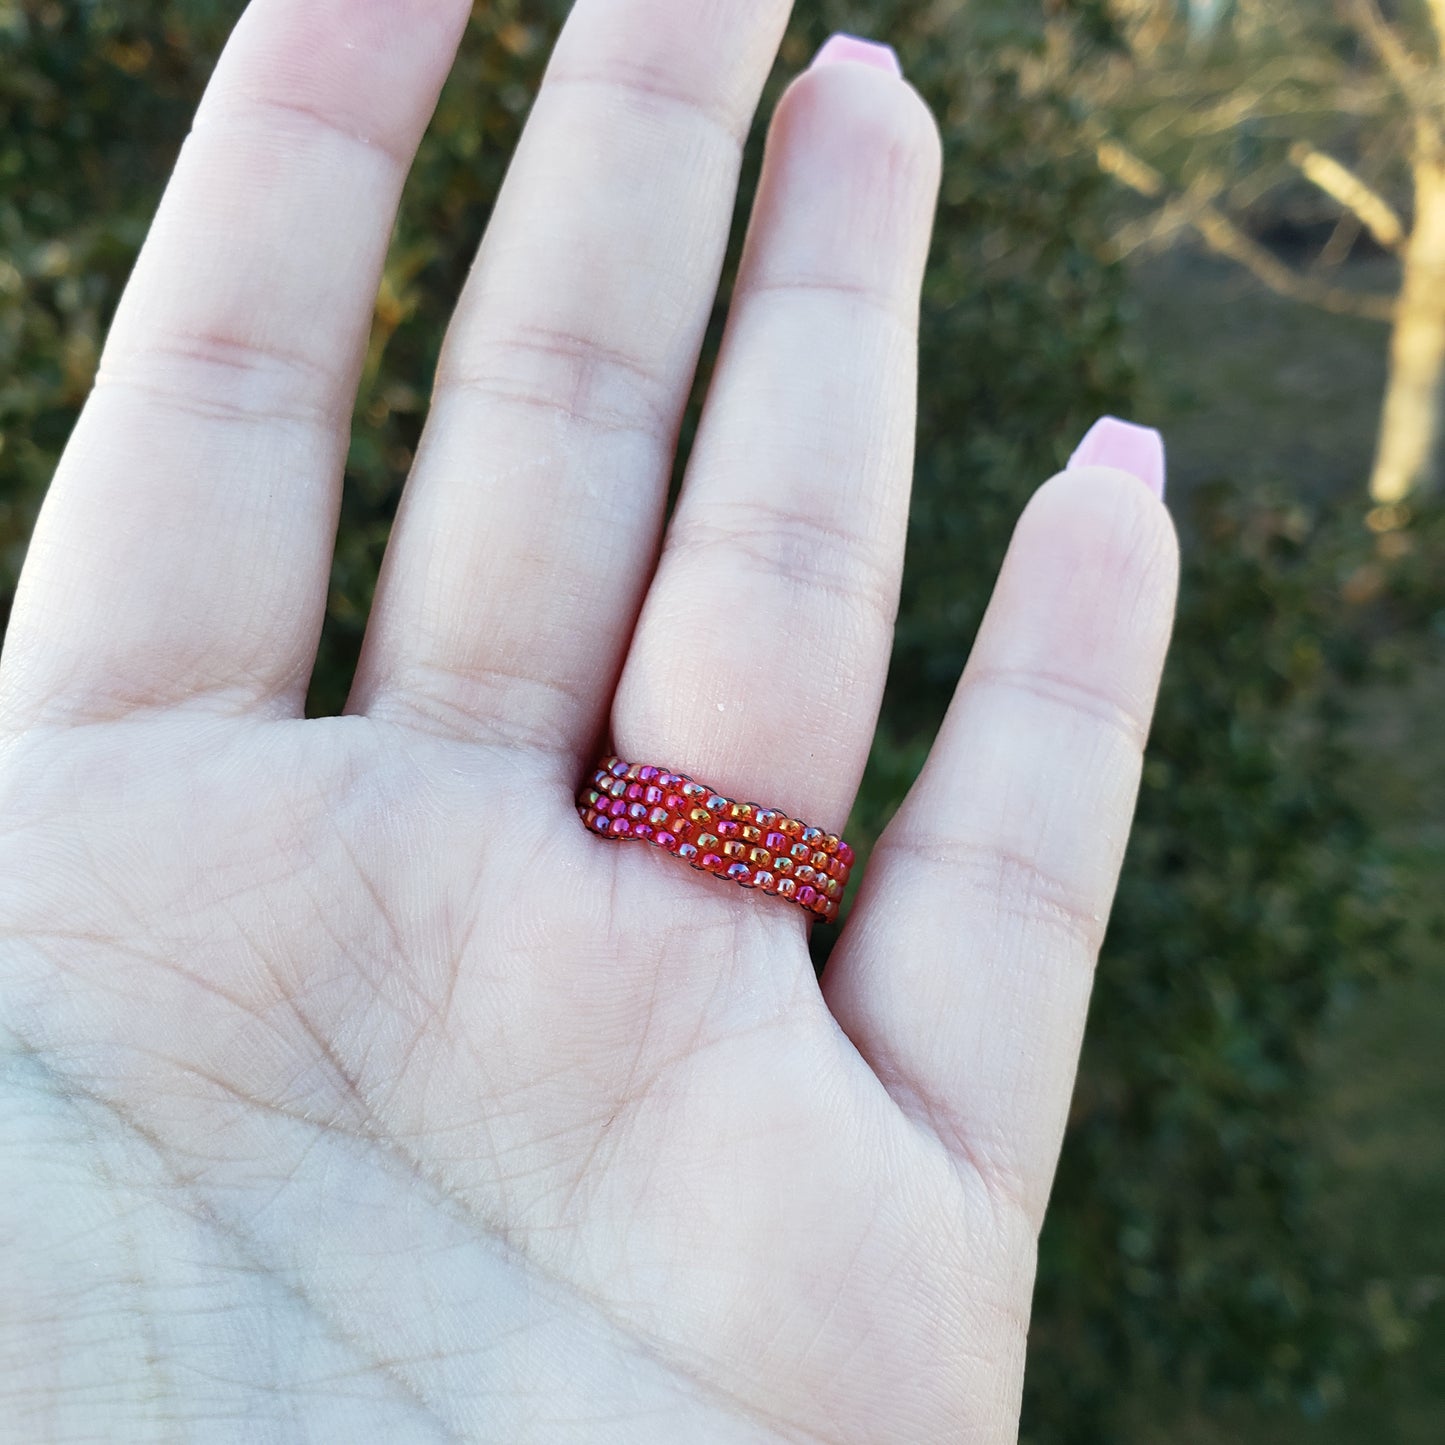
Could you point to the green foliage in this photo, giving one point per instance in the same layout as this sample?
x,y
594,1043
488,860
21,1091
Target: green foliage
x,y
1182,1254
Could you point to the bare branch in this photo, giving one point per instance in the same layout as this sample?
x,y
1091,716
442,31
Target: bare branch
x,y
1437,23
1405,67
1223,236
1341,184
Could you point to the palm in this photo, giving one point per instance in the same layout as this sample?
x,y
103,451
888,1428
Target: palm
x,y
364,1095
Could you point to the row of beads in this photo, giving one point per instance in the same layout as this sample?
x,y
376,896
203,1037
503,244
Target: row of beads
x,y
749,845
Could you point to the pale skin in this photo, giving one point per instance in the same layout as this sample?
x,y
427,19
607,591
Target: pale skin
x,y
351,1090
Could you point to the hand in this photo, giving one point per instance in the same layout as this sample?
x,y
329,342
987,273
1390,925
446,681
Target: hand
x,y
353,1091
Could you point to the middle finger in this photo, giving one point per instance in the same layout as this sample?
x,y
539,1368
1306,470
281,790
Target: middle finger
x,y
531,517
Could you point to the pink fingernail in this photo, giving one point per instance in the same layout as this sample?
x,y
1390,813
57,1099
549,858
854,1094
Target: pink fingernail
x,y
1125,447
852,48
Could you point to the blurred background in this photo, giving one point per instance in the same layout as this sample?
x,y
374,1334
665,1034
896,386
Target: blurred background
x,y
1223,217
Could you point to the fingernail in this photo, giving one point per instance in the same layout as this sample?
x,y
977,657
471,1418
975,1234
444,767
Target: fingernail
x,y
840,48
1125,447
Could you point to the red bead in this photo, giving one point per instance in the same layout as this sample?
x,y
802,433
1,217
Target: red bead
x,y
759,847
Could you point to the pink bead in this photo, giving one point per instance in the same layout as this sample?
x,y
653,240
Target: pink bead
x,y
665,840
643,831
775,843
652,796
646,774
805,895
617,807
673,802
729,829
634,791
711,862
621,828
845,855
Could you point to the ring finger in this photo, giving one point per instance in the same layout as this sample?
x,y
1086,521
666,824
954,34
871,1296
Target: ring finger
x,y
759,659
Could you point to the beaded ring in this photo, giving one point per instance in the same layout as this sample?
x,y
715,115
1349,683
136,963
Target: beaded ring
x,y
742,842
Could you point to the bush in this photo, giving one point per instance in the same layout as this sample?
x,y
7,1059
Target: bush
x,y
1182,1253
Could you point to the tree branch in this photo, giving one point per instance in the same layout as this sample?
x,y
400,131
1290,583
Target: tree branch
x,y
1341,184
1226,238
1405,67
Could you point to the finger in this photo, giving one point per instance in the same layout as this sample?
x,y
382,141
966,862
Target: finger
x,y
760,656
965,971
531,516
185,543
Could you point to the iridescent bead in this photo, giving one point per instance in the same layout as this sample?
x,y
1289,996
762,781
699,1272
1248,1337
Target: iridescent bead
x,y
616,788
775,842
631,773
621,827
602,822
804,873
678,824
845,854
666,840
782,864
791,826
739,872
829,886
830,843
752,834
668,780
764,880
766,818
741,811
734,849
711,862
700,815
673,802
812,835
759,857
643,831
806,896
652,796
786,888
819,860
593,797
706,841
801,852
657,817
687,852
617,768
617,807
716,802
634,792
646,775
727,829
637,811
693,790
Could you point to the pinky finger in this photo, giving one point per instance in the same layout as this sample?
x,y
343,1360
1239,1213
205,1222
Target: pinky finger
x,y
965,972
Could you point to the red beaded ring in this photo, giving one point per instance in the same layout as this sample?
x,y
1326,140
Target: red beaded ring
x,y
756,847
